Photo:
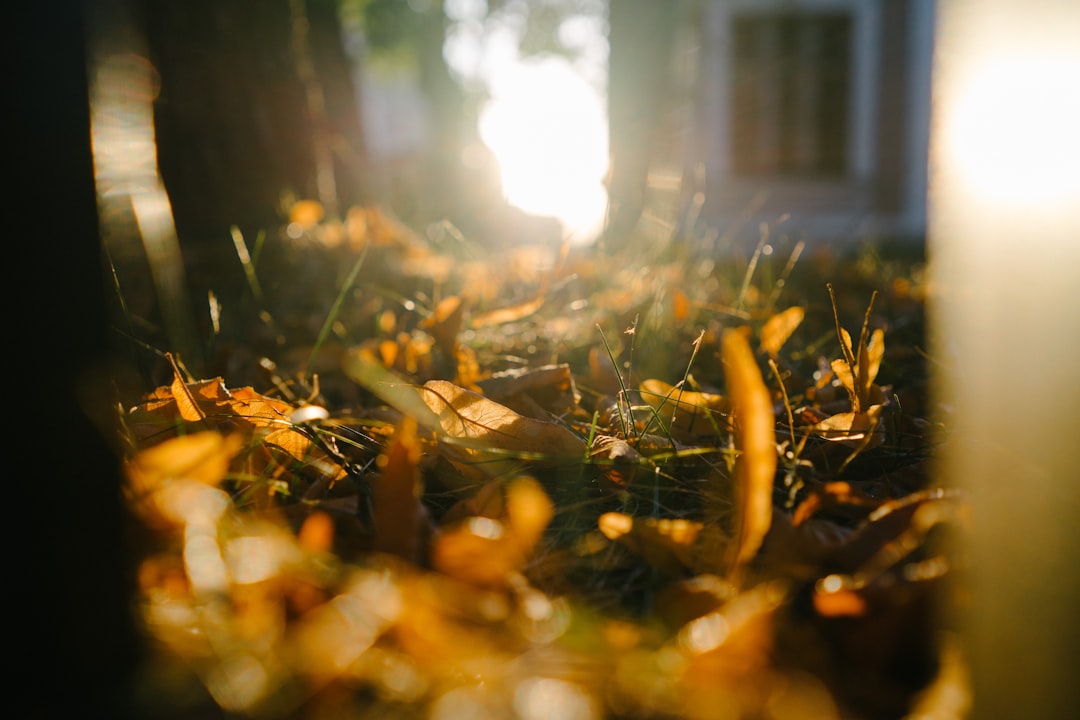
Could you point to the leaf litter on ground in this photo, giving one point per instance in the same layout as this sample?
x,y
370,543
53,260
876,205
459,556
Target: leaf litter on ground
x,y
579,481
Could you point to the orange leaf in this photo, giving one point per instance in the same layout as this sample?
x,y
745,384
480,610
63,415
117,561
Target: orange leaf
x,y
755,439
397,512
680,305
306,213
529,510
166,480
186,397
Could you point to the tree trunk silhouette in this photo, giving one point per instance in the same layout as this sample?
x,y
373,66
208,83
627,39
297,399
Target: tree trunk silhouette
x,y
251,108
641,37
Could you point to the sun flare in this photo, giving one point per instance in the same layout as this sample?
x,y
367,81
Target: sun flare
x,y
547,129
1013,130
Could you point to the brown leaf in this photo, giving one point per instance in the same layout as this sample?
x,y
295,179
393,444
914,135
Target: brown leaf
x,y
262,422
398,515
551,387
755,439
875,351
832,496
483,427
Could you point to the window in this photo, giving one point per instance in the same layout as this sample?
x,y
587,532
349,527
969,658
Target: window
x,y
791,93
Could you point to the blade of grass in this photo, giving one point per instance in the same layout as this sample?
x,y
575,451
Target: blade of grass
x,y
248,265
346,287
764,230
623,404
781,281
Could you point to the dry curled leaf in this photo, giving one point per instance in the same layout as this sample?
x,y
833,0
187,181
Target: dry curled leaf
x,y
484,429
261,421
859,366
850,428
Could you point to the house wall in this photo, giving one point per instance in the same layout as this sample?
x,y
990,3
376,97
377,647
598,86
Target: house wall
x,y
881,189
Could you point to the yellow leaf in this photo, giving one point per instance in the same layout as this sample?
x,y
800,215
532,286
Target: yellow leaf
x,y
842,371
755,439
848,426
445,323
162,481
779,328
686,411
846,346
875,351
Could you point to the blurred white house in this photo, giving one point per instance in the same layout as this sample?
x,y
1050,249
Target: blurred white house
x,y
810,116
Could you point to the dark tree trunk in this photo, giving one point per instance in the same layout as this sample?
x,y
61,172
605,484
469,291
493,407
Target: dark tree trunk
x,y
237,123
641,34
69,583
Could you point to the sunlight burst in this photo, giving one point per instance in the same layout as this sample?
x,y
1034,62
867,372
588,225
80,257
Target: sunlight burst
x,y
547,129
1012,131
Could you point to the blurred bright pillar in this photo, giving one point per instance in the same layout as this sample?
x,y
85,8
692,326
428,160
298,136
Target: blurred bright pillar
x,y
1005,254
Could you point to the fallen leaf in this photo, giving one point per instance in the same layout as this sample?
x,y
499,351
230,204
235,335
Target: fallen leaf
x,y
485,429
778,329
755,440
165,481
488,551
849,427
507,314
667,544
685,412
399,517
306,213
445,324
